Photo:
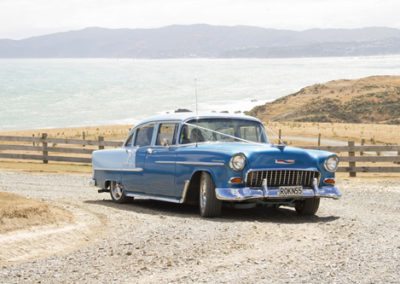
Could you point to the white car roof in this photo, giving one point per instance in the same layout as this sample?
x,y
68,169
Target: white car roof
x,y
184,116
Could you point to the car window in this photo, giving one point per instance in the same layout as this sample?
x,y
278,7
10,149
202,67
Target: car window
x,y
144,135
230,131
250,133
166,134
222,130
129,141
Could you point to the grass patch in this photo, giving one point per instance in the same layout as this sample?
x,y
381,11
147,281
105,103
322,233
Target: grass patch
x,y
17,212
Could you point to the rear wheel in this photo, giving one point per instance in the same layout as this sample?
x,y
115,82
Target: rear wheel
x,y
210,206
117,193
307,207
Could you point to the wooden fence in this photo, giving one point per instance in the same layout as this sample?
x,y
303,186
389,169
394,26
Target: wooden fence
x,y
47,149
377,154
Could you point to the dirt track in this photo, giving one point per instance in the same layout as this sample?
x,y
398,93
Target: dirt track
x,y
353,240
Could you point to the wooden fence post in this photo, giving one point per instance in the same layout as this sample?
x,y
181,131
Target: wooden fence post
x,y
319,139
398,154
44,149
362,144
280,136
84,138
101,142
352,165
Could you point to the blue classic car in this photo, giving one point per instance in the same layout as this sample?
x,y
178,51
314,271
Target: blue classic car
x,y
209,160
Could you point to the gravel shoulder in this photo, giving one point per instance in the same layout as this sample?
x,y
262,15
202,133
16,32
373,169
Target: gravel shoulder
x,y
353,240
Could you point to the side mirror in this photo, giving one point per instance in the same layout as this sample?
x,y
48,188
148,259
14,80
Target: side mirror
x,y
165,142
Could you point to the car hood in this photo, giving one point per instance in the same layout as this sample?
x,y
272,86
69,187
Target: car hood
x,y
269,155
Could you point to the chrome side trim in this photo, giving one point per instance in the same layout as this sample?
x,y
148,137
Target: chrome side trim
x,y
164,162
201,163
119,170
191,163
185,190
159,198
145,196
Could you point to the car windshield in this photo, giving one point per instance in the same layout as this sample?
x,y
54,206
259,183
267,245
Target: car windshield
x,y
222,130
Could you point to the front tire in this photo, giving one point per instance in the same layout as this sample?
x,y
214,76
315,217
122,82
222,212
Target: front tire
x,y
307,207
210,206
117,193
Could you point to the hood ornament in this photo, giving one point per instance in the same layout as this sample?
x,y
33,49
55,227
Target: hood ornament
x,y
285,162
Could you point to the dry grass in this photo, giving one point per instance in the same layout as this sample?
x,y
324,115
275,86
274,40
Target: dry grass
x,y
373,99
52,167
17,213
372,133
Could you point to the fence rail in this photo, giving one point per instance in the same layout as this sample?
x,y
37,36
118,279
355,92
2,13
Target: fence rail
x,y
361,148
50,150
47,149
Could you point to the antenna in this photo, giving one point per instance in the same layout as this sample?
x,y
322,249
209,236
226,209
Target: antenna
x,y
197,109
195,94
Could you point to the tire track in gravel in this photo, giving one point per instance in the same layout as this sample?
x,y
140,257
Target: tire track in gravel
x,y
35,243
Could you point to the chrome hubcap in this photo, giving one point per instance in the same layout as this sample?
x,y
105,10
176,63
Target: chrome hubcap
x,y
116,190
203,194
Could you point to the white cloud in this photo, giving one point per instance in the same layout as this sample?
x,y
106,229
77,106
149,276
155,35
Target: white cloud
x,y
22,18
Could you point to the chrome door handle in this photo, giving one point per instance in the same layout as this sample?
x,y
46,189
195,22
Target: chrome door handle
x,y
149,151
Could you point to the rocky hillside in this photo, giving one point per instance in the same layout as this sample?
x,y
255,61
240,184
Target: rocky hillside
x,y
373,99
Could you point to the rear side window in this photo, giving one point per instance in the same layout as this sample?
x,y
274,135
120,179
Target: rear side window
x,y
166,134
144,135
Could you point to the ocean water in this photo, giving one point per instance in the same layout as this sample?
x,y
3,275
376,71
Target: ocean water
x,y
46,93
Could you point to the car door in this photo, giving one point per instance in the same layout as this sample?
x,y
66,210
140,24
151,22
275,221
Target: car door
x,y
133,178
159,168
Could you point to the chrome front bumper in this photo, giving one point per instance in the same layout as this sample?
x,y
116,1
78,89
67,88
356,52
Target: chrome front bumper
x,y
248,193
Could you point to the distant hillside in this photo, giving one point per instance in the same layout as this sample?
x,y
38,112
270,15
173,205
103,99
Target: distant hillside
x,y
201,40
368,100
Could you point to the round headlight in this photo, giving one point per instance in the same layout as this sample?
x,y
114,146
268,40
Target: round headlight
x,y
238,162
331,164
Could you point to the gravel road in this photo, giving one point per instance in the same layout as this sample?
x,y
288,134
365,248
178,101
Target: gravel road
x,y
353,240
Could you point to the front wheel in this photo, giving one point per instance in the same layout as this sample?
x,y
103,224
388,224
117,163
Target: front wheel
x,y
117,193
307,207
210,206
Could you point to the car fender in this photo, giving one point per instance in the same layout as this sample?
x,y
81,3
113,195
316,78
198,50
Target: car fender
x,y
212,172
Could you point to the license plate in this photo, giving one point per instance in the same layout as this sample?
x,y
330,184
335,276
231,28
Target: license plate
x,y
290,190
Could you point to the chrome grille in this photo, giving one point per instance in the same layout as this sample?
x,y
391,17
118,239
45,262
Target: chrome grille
x,y
277,178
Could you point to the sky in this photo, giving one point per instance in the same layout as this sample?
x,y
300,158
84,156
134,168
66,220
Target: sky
x,y
25,18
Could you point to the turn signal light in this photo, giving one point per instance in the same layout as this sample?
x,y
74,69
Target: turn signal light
x,y
329,181
236,180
